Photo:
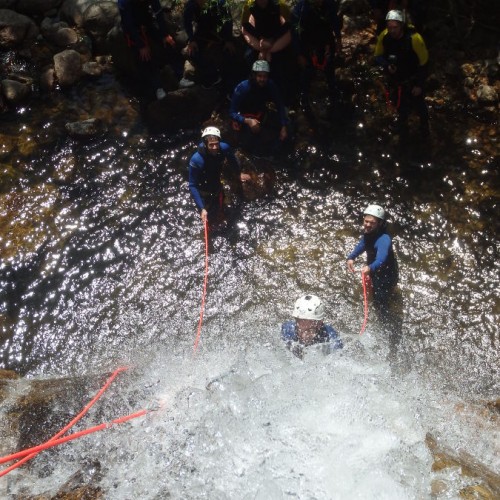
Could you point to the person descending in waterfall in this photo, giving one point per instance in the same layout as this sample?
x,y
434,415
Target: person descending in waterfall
x,y
205,174
307,327
381,269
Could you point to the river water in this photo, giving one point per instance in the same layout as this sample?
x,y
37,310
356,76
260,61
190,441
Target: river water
x,y
103,262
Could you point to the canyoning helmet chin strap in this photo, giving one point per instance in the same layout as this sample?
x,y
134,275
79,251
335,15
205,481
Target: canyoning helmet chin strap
x,y
309,307
375,210
210,131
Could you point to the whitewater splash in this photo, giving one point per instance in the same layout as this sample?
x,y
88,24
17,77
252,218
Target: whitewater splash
x,y
255,422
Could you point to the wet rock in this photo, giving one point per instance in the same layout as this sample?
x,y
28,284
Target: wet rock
x,y
15,29
68,67
438,487
92,68
477,492
14,91
487,95
171,113
62,37
48,79
36,6
85,129
468,70
99,18
72,11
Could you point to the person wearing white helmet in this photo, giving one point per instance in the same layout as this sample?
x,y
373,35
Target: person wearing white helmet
x,y
381,264
251,111
205,172
403,55
308,327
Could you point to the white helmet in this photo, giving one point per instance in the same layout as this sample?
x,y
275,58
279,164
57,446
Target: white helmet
x,y
210,131
376,211
261,66
309,307
395,15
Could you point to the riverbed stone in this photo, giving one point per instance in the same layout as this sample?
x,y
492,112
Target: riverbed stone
x,y
85,128
15,91
15,29
62,37
68,67
72,11
487,95
99,18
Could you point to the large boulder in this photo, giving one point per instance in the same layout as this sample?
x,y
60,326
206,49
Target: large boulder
x,y
99,18
68,67
72,11
15,29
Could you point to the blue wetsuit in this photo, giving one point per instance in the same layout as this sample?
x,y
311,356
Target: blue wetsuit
x,y
382,262
326,334
205,172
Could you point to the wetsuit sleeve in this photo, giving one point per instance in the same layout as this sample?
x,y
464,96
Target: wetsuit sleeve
x,y
236,100
358,250
380,52
129,25
196,166
382,247
276,97
418,45
334,340
288,331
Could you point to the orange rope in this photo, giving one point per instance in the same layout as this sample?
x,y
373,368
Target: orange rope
x,y
56,442
364,279
198,334
68,426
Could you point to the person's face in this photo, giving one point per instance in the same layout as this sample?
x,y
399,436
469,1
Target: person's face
x,y
371,224
307,330
261,78
213,145
395,29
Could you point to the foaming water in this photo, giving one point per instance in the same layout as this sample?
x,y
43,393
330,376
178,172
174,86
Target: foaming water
x,y
249,420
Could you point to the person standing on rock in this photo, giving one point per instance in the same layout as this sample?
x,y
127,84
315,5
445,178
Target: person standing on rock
x,y
143,23
402,54
205,174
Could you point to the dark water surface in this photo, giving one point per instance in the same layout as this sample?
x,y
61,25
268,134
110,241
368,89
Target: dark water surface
x,y
103,252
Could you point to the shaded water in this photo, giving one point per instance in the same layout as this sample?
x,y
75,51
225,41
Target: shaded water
x,y
102,264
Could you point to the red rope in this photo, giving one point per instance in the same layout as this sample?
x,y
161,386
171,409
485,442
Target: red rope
x,y
56,442
198,334
364,279
68,426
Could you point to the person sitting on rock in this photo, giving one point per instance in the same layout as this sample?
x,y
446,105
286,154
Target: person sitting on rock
x,y
265,26
211,47
317,36
205,174
257,112
144,25
308,327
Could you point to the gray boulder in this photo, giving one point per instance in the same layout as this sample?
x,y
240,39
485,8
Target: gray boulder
x,y
14,91
72,11
15,29
68,67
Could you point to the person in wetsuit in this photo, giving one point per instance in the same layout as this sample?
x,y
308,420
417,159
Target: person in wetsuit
x,y
308,328
402,54
257,112
381,264
205,173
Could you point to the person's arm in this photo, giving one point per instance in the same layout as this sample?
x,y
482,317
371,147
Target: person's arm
x,y
379,53
196,165
382,247
238,94
358,250
334,340
419,47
